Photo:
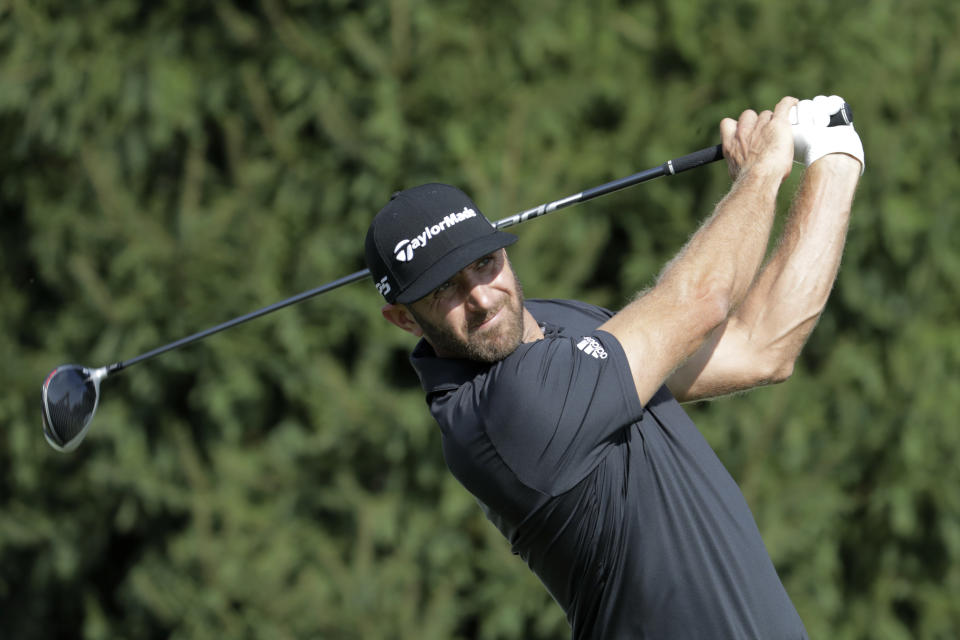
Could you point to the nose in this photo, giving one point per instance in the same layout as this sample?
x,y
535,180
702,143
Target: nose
x,y
479,296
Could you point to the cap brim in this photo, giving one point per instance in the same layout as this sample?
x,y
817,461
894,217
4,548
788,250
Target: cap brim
x,y
447,266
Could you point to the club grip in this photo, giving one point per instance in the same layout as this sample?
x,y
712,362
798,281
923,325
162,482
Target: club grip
x,y
692,160
711,154
843,116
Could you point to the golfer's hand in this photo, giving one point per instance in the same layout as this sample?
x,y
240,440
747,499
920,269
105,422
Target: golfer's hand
x,y
813,138
761,141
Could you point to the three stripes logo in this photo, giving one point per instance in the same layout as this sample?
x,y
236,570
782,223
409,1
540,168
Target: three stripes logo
x,y
592,347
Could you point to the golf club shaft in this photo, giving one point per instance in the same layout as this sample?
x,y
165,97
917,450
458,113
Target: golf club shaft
x,y
353,277
671,167
668,168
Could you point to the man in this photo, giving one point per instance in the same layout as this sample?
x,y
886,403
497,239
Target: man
x,y
563,419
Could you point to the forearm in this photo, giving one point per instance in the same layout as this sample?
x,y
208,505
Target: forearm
x,y
784,304
696,292
722,258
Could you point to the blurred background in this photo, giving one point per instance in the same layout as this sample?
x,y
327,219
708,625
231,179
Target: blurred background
x,y
166,166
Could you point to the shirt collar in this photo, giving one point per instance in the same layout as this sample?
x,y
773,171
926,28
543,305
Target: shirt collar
x,y
442,374
438,375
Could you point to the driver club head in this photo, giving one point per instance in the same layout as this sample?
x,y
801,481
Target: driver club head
x,y
70,396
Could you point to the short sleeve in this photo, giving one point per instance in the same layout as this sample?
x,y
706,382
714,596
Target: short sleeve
x,y
553,407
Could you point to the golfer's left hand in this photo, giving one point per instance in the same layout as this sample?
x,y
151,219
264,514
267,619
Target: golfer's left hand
x,y
813,138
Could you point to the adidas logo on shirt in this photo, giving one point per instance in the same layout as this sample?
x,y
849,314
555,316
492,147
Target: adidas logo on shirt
x,y
592,347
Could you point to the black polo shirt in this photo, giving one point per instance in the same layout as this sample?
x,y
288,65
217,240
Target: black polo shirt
x,y
624,512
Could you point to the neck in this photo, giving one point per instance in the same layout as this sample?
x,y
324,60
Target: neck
x,y
531,328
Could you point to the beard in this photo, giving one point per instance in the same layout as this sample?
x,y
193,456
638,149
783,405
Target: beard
x,y
487,346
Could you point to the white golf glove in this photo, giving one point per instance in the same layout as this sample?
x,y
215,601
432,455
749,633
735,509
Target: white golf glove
x,y
813,138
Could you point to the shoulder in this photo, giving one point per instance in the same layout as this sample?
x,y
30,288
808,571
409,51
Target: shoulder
x,y
564,312
549,410
574,361
583,371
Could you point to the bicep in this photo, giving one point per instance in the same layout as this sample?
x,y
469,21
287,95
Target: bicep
x,y
659,332
727,362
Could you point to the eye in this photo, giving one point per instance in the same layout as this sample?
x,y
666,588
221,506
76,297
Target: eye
x,y
442,289
483,262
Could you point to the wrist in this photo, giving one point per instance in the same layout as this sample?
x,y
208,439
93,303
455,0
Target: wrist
x,y
840,141
761,178
840,163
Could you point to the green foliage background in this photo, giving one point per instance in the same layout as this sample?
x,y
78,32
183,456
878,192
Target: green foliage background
x,y
165,166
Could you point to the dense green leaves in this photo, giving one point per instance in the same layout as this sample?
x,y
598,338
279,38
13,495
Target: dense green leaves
x,y
167,166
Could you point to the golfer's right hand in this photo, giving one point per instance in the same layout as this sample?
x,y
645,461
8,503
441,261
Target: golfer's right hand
x,y
761,141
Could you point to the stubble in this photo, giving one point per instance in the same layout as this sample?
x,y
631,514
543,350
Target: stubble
x,y
487,346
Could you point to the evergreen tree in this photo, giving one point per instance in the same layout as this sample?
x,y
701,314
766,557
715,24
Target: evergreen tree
x,y
169,165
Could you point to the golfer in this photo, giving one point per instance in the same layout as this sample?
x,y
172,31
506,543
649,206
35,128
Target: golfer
x,y
563,419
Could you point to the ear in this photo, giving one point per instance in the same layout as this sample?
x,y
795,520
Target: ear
x,y
399,315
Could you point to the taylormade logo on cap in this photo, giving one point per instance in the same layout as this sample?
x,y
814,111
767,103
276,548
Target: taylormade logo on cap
x,y
423,237
403,252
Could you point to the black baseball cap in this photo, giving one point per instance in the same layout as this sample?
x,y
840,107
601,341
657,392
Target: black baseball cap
x,y
423,237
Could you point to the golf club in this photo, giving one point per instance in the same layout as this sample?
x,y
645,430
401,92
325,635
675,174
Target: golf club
x,y
71,393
